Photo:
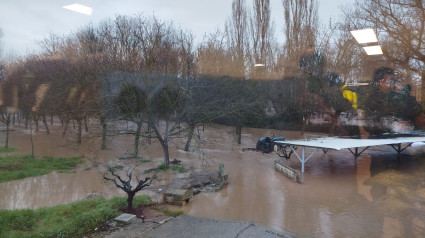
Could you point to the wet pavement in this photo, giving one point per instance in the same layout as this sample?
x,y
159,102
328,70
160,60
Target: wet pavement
x,y
192,227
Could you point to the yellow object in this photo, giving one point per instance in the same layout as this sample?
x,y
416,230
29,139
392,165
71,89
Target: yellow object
x,y
350,96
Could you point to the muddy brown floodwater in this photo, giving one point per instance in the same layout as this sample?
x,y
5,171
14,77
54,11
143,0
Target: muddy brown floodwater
x,y
379,196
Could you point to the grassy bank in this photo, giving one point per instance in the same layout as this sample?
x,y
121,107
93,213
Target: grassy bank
x,y
18,167
7,150
70,220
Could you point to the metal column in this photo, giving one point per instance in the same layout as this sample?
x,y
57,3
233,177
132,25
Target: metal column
x,y
302,159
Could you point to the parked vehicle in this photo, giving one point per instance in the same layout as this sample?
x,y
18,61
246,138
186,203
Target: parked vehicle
x,y
267,144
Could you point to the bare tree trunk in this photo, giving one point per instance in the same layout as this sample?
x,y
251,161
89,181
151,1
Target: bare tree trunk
x,y
51,119
166,153
32,141
137,138
422,98
45,124
86,124
334,122
149,134
104,132
189,137
130,196
36,123
303,125
165,145
7,131
239,134
66,128
79,130
163,141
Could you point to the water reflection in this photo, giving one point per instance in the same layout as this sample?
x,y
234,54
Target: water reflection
x,y
397,189
52,189
336,200
379,196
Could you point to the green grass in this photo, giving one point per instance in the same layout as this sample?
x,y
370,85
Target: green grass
x,y
18,167
162,167
179,168
167,211
70,220
6,150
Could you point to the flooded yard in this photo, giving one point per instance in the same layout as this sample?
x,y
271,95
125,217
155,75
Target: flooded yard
x,y
377,196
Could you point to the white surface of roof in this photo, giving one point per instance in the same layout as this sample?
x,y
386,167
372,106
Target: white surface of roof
x,y
336,143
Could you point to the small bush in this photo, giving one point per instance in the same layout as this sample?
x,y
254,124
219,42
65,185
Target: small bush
x,y
141,200
118,203
180,169
162,167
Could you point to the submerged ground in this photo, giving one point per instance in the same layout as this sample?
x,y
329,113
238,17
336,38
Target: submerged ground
x,y
379,196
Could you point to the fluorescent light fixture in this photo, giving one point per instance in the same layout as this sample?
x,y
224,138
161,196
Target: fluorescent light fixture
x,y
365,36
373,50
259,65
79,8
357,84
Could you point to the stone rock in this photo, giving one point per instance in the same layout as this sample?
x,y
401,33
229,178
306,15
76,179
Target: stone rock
x,y
222,172
178,196
175,162
202,181
223,176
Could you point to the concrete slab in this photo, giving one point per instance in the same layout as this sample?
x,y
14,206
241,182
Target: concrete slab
x,y
125,218
289,172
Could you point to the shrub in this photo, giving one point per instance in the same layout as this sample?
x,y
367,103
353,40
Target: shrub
x,y
162,167
180,169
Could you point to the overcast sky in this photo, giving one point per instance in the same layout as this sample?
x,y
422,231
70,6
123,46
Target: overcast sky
x,y
24,22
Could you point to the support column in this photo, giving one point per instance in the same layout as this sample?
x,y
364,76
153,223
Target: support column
x,y
302,159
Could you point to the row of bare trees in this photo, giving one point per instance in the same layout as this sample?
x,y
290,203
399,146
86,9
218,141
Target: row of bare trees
x,y
149,72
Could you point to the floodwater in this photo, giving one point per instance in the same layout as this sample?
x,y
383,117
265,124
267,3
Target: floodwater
x,y
377,196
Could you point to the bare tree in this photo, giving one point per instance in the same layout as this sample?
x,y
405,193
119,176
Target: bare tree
x,y
166,107
213,59
8,107
132,104
236,28
301,23
261,34
125,178
401,30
